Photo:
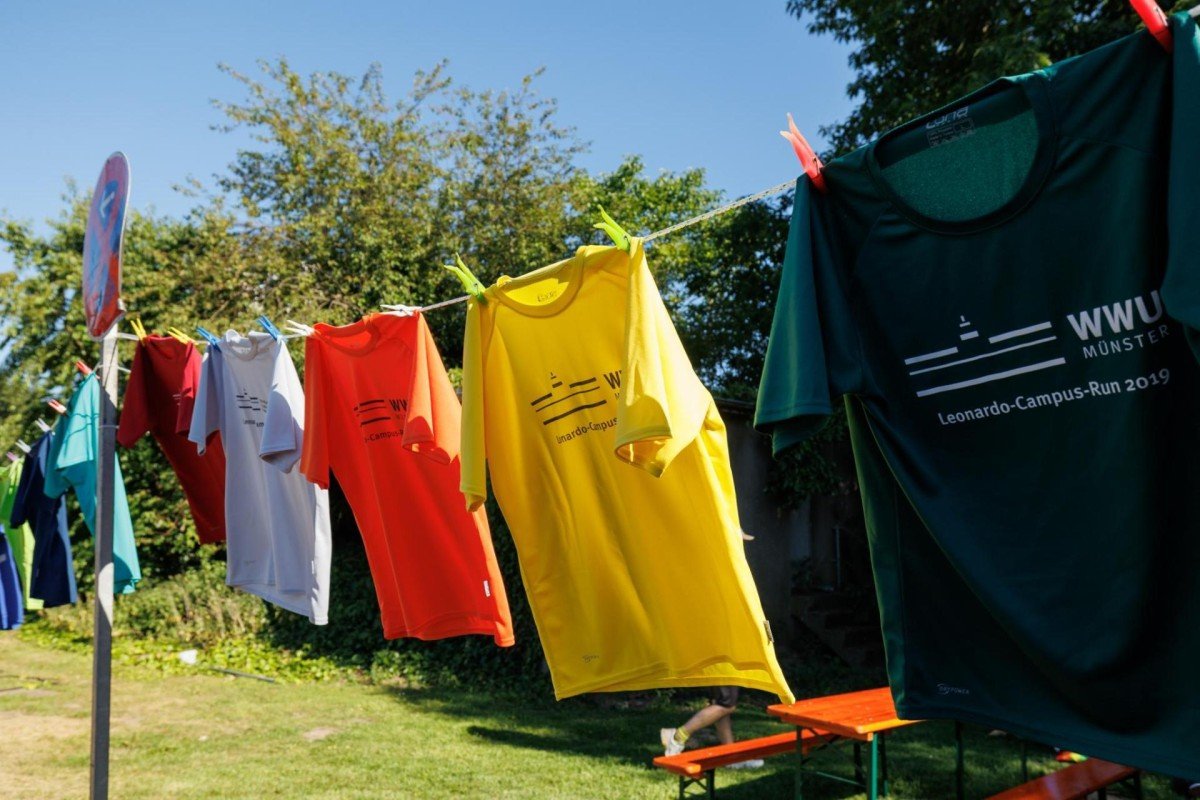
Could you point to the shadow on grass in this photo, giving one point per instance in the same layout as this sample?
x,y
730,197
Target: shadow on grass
x,y
623,752
921,758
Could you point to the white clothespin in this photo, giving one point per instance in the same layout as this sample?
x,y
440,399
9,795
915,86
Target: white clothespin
x,y
400,310
24,448
41,423
297,328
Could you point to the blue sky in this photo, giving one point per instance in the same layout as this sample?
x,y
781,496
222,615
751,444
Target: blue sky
x,y
684,84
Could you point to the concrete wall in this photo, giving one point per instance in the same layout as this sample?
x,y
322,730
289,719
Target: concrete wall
x,y
781,537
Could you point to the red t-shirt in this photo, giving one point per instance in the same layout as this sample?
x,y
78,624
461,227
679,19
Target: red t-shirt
x,y
380,411
159,397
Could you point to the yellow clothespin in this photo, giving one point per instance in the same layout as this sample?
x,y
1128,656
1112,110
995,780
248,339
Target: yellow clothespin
x,y
467,278
615,232
138,329
179,335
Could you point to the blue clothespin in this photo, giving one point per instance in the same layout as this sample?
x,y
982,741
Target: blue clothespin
x,y
207,336
269,327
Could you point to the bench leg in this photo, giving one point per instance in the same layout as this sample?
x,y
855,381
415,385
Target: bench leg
x,y
883,758
1024,761
873,788
960,791
858,764
1103,793
683,783
798,789
710,781
1137,785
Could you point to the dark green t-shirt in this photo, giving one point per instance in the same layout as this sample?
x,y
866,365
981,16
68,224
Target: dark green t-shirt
x,y
1003,291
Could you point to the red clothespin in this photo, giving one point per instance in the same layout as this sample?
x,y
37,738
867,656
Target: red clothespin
x,y
1156,22
57,406
808,157
83,368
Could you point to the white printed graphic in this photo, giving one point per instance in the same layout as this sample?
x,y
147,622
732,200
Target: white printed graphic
x,y
996,376
1111,329
969,334
931,356
1004,337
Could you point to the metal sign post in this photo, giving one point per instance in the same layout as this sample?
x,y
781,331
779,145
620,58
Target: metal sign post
x,y
103,308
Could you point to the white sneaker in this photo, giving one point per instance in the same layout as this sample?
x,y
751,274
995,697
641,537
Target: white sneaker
x,y
670,746
753,763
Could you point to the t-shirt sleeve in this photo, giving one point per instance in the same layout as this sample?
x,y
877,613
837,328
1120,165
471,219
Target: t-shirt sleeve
x,y
74,440
1181,285
206,415
432,424
314,447
662,404
473,450
283,428
136,410
799,383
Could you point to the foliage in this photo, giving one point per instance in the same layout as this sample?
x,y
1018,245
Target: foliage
x,y
346,199
911,58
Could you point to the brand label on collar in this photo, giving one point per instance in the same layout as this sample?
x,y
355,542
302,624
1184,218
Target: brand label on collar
x,y
949,127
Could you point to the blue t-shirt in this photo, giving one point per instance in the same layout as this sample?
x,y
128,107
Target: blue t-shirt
x,y
12,611
53,576
72,464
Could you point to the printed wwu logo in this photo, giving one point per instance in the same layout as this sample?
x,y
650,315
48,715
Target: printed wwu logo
x,y
381,409
613,379
1118,316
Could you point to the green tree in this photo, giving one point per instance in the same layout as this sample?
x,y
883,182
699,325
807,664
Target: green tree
x,y
344,200
911,58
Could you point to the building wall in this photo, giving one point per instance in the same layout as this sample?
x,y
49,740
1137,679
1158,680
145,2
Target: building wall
x,y
781,537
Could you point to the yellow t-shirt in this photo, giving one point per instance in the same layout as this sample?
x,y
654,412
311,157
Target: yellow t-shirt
x,y
573,378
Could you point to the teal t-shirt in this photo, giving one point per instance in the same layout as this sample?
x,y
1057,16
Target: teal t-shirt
x,y
72,463
1003,292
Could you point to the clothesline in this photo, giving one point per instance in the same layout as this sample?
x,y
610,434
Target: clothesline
x,y
649,237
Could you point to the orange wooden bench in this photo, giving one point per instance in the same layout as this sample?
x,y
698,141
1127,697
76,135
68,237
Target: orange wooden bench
x,y
698,767
1075,782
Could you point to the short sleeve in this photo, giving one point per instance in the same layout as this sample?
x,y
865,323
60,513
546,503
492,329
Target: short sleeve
x,y
283,428
74,440
206,415
314,448
1181,285
473,450
135,408
432,424
662,404
798,387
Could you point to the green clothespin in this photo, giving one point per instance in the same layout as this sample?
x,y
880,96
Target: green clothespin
x,y
461,271
615,232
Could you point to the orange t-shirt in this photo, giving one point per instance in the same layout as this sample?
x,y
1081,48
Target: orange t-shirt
x,y
381,413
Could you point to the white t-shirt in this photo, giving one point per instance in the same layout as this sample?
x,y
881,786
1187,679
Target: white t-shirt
x,y
278,540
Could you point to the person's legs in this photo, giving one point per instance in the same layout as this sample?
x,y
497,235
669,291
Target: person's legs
x,y
724,728
711,714
722,703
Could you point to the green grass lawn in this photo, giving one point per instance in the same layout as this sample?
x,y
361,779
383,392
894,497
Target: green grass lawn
x,y
204,735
